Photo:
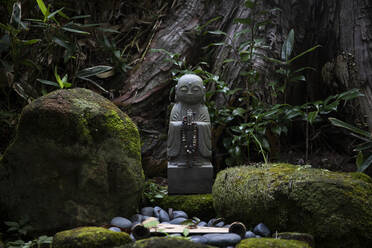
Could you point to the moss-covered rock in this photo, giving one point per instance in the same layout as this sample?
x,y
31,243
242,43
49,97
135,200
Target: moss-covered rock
x,y
336,208
158,242
75,161
90,237
271,243
200,206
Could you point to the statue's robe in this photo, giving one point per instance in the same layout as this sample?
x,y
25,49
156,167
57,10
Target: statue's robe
x,y
177,155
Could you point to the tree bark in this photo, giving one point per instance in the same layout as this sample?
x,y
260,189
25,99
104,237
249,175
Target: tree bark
x,y
342,27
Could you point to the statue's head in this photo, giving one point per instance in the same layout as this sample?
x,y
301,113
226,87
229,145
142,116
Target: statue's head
x,y
190,89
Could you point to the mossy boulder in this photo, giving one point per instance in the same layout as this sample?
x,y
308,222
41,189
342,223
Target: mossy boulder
x,y
304,237
162,242
336,208
200,206
75,161
271,243
90,237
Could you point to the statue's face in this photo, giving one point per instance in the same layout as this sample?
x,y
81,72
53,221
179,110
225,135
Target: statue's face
x,y
190,89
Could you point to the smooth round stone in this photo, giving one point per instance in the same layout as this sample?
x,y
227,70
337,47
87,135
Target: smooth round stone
x,y
249,234
163,216
137,218
211,221
262,230
115,229
227,226
258,236
177,221
202,223
224,239
121,222
147,211
220,224
179,214
198,239
157,211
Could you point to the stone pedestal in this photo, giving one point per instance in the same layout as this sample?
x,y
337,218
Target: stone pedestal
x,y
190,180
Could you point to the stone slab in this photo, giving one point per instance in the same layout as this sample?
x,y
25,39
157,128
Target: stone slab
x,y
190,180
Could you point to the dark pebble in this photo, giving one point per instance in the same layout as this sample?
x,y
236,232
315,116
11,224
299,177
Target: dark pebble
x,y
147,211
115,229
249,234
177,221
137,218
262,230
121,222
202,223
225,239
198,239
179,214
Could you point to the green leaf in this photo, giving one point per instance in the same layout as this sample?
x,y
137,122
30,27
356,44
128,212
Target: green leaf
x,y
239,112
152,223
250,4
42,7
74,30
58,78
365,164
359,159
312,116
80,17
93,71
61,43
11,224
339,123
303,53
47,82
30,42
228,61
350,94
247,21
287,47
186,232
218,32
54,13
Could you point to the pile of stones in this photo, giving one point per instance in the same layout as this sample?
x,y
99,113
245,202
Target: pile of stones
x,y
119,224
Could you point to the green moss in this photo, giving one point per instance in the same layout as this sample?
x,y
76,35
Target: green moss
x,y
157,242
200,206
90,237
329,205
271,243
126,130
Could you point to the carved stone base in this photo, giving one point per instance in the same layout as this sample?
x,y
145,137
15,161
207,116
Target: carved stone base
x,y
190,180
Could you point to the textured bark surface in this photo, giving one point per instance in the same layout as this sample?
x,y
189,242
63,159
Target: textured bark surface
x,y
342,27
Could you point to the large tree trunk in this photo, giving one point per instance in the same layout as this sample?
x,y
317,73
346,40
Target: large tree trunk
x,y
342,27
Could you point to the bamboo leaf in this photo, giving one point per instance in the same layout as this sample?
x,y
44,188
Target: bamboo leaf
x,y
218,32
303,53
365,164
339,123
186,232
47,82
42,7
54,13
287,47
93,71
359,159
74,30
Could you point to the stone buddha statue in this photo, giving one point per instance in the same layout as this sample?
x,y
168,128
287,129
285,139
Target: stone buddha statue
x,y
189,135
